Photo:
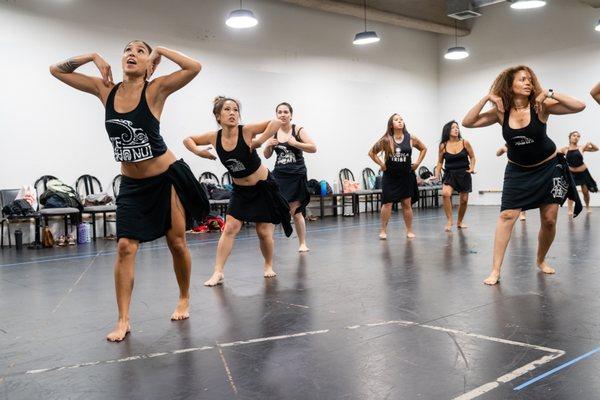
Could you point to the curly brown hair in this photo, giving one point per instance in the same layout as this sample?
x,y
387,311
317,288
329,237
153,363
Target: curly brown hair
x,y
502,86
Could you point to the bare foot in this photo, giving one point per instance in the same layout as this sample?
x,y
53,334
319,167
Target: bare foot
x,y
182,310
589,209
448,227
383,236
493,279
545,268
462,225
303,248
410,235
121,330
217,278
269,273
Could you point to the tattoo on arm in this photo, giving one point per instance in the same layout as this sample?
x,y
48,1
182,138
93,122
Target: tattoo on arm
x,y
68,66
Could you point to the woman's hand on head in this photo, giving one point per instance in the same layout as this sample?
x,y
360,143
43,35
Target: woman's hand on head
x,y
496,101
153,61
105,70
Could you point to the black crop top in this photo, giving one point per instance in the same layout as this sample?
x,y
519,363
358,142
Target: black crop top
x,y
240,162
400,161
458,161
289,158
135,135
574,158
528,145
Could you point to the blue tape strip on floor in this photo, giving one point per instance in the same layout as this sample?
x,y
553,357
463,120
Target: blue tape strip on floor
x,y
552,371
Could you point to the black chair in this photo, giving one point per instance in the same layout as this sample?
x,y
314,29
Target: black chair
x,y
208,175
86,185
116,184
226,179
68,213
371,194
345,173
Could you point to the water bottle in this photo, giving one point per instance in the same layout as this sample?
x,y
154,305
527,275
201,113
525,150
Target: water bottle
x,y
83,233
323,188
19,239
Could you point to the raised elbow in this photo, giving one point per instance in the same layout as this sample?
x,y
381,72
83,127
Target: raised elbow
x,y
580,106
196,67
53,70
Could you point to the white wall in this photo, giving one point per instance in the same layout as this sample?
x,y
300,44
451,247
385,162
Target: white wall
x,y
342,94
558,42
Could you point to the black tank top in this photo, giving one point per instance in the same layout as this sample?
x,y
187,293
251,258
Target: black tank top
x,y
400,161
240,162
135,135
458,161
529,145
574,158
289,158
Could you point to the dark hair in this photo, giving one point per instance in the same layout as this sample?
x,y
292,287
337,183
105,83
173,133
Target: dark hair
x,y
218,104
140,41
571,134
288,105
386,142
446,131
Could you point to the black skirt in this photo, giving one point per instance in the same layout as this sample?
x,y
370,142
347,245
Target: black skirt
x,y
260,203
144,205
585,178
526,188
459,180
293,187
396,187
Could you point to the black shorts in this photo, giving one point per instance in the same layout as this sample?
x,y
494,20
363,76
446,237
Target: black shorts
x,y
459,180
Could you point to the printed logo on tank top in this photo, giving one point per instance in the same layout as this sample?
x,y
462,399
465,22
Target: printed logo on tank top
x,y
132,145
522,140
234,165
285,156
399,156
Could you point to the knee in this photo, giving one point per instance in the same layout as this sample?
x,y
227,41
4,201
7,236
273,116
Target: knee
x,y
298,217
177,246
446,194
386,207
264,232
232,228
464,200
126,248
548,223
508,216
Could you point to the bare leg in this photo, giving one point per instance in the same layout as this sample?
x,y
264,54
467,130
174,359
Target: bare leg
x,y
182,261
506,221
124,273
570,207
407,213
447,200
300,225
586,197
548,214
386,213
522,216
462,209
264,230
232,227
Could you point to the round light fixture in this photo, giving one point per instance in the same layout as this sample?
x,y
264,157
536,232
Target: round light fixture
x,y
366,37
456,53
527,4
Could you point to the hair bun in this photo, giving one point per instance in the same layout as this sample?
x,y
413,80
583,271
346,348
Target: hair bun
x,y
218,98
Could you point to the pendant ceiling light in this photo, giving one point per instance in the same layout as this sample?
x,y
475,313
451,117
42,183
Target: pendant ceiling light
x,y
527,4
365,37
457,52
241,18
